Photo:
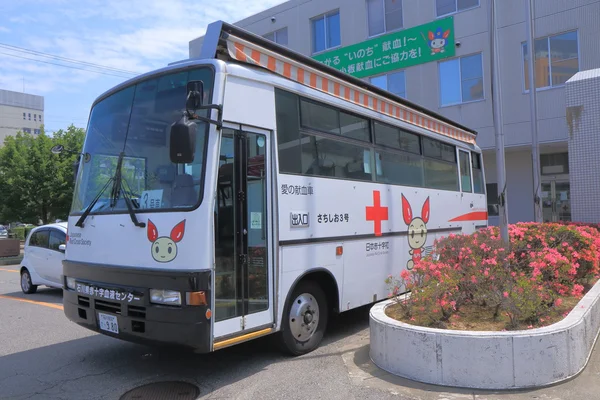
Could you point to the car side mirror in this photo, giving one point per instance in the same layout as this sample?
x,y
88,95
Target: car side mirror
x,y
62,247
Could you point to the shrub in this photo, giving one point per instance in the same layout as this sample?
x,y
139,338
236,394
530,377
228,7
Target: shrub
x,y
19,232
545,263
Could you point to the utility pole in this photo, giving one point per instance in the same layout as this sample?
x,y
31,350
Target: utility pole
x,y
535,146
498,128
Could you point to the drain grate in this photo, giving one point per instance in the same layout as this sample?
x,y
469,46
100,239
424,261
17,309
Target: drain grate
x,y
163,391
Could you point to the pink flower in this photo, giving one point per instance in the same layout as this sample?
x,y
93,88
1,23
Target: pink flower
x,y
558,302
505,294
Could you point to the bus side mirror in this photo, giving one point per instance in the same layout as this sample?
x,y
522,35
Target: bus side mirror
x,y
183,141
183,132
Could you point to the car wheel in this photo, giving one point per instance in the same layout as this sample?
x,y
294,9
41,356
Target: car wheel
x,y
26,285
304,319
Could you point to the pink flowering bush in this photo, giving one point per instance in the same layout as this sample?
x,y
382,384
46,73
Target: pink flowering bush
x,y
544,264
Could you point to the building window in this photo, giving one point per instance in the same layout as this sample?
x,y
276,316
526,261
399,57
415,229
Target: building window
x,y
40,117
461,80
554,163
29,116
24,115
556,60
384,16
280,36
35,117
492,199
445,7
326,31
27,130
37,131
394,82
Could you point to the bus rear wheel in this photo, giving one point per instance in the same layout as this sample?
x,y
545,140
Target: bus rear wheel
x,y
304,319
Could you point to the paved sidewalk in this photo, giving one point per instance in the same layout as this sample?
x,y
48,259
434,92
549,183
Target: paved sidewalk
x,y
362,371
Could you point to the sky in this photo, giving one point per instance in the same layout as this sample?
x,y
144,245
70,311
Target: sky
x,y
124,37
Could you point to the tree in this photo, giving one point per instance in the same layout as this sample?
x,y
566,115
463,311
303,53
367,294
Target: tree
x,y
34,183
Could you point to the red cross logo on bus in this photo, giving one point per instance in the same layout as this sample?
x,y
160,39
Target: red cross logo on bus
x,y
376,213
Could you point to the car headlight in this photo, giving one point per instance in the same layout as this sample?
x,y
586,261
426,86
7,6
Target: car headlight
x,y
71,283
168,297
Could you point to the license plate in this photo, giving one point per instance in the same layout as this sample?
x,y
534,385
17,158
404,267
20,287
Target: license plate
x,y
108,323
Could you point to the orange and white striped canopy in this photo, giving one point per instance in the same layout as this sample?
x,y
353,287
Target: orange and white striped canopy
x,y
244,51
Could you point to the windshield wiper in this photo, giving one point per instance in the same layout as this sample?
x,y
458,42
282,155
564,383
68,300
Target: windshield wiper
x,y
117,188
89,208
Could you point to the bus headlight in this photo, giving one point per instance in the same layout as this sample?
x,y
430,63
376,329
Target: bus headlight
x,y
71,283
168,297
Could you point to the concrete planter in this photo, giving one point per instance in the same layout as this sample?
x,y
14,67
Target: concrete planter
x,y
487,360
10,247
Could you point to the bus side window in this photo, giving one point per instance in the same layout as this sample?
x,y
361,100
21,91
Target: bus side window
x,y
465,171
477,173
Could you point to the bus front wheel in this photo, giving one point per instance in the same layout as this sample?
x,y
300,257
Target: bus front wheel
x,y
304,319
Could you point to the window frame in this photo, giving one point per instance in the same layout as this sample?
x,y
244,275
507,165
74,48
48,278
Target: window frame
x,y
324,16
275,32
459,59
385,30
456,10
547,37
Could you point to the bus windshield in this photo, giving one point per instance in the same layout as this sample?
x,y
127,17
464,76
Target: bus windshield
x,y
136,121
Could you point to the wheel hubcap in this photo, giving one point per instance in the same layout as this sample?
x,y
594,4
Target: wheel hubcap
x,y
24,281
304,317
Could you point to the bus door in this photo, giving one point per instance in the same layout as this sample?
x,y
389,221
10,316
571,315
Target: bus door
x,y
243,268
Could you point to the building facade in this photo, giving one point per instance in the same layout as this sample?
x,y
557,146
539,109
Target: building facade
x,y
20,112
394,44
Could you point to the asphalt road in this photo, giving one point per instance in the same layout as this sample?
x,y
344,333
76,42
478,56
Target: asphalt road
x,y
45,356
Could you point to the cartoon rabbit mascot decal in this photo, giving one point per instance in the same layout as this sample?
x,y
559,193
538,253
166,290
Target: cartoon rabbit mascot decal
x,y
438,40
417,230
164,248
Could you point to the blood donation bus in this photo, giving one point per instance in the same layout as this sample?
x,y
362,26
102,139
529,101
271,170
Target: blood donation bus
x,y
256,191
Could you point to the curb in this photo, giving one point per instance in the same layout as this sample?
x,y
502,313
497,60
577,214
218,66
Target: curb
x,y
11,260
484,359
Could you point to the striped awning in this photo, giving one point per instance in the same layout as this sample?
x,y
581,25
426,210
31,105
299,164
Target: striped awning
x,y
244,51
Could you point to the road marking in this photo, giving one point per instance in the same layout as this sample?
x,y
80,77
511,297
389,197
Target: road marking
x,y
8,270
41,303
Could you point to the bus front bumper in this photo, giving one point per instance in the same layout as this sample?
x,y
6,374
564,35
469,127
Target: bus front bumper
x,y
115,301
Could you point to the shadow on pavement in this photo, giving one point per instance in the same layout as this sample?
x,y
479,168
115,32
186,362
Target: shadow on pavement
x,y
47,295
102,367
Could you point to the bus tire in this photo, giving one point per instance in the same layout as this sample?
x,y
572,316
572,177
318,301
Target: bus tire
x,y
304,319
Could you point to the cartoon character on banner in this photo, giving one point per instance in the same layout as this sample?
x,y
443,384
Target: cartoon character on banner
x,y
164,248
438,40
417,230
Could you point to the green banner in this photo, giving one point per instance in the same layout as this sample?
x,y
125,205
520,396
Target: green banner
x,y
418,45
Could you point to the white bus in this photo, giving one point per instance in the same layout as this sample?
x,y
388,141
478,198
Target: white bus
x,y
256,191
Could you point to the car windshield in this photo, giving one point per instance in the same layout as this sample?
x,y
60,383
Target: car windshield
x,y
136,121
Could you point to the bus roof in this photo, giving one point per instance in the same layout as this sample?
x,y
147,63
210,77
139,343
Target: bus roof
x,y
223,40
